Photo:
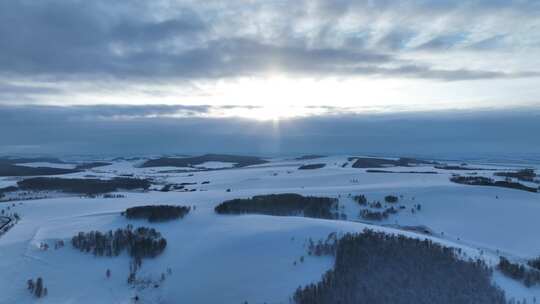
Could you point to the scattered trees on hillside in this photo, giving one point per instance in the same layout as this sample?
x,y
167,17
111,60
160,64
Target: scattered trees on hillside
x,y
360,199
374,267
519,272
282,204
377,215
155,213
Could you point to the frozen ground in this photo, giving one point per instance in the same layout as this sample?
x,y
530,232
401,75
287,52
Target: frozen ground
x,y
232,259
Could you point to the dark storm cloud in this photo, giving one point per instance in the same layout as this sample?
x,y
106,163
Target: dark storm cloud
x,y
199,40
95,130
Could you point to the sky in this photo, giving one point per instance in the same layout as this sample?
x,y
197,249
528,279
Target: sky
x,y
338,76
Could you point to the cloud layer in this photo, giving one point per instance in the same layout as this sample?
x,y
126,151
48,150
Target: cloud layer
x,y
217,39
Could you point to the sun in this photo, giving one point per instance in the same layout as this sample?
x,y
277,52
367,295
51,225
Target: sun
x,y
267,99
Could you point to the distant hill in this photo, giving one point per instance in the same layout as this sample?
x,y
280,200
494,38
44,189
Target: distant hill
x,y
19,160
308,157
14,170
240,161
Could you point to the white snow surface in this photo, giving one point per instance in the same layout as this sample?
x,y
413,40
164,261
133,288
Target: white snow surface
x,y
232,259
215,165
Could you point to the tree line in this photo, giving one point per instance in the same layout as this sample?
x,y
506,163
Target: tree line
x,y
486,181
83,185
528,276
373,267
282,205
156,213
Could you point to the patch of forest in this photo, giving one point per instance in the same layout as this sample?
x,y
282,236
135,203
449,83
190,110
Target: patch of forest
x,y
81,185
529,276
369,162
526,175
15,170
461,168
241,161
486,181
406,172
157,213
311,166
376,211
373,267
141,242
288,204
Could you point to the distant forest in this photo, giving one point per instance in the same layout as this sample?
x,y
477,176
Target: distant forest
x,y
15,170
81,185
527,175
486,181
370,162
311,166
157,213
241,161
282,204
373,267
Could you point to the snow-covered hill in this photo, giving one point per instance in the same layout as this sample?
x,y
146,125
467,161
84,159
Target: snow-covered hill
x,y
256,258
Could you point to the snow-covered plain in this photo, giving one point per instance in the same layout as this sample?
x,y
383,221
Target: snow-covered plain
x,y
232,259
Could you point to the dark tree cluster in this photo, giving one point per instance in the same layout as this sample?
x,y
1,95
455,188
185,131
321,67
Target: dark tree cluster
x,y
374,267
462,168
82,185
140,243
311,166
37,288
391,199
534,263
377,215
519,272
241,161
157,213
400,172
486,181
360,199
527,175
14,170
371,162
109,195
326,247
282,204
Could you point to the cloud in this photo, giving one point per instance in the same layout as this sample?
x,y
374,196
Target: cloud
x,y
193,40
